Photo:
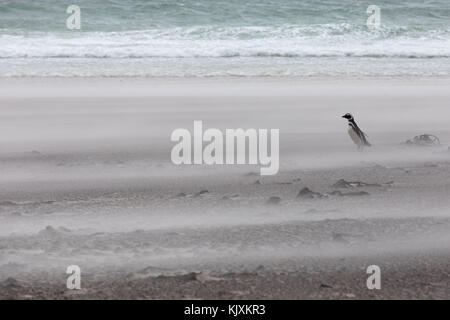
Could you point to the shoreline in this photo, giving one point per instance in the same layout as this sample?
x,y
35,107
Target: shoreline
x,y
261,79
136,87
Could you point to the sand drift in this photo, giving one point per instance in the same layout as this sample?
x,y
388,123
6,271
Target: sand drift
x,y
87,180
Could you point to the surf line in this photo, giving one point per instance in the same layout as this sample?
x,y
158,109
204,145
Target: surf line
x,y
241,146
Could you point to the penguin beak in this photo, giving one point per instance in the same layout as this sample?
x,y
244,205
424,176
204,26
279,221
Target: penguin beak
x,y
344,116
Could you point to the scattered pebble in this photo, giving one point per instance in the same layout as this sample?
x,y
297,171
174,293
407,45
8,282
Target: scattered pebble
x,y
430,165
232,197
339,237
201,192
193,276
351,194
260,268
274,200
10,283
353,184
205,277
306,193
150,272
49,231
8,203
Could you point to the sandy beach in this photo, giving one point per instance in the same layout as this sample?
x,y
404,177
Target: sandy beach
x,y
87,180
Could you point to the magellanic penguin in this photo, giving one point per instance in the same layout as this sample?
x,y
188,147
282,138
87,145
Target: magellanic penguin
x,y
357,135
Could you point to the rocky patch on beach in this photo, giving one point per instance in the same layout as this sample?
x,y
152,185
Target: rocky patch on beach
x,y
353,184
201,192
231,197
307,193
273,200
351,194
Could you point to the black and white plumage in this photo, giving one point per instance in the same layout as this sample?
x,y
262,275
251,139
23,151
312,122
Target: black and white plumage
x,y
355,133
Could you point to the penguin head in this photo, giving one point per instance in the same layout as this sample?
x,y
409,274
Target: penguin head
x,y
348,116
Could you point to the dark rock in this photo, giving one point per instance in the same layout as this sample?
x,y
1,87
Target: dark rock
x,y
312,211
10,283
306,193
378,166
274,200
8,203
191,276
430,165
339,237
232,197
257,182
353,184
181,195
49,231
342,184
355,193
201,192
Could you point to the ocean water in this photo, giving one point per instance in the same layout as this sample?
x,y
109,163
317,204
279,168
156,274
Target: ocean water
x,y
206,38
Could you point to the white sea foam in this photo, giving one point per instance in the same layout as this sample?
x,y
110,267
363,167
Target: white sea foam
x,y
286,41
225,38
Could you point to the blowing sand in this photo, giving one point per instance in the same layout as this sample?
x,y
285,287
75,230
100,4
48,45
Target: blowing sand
x,y
87,180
